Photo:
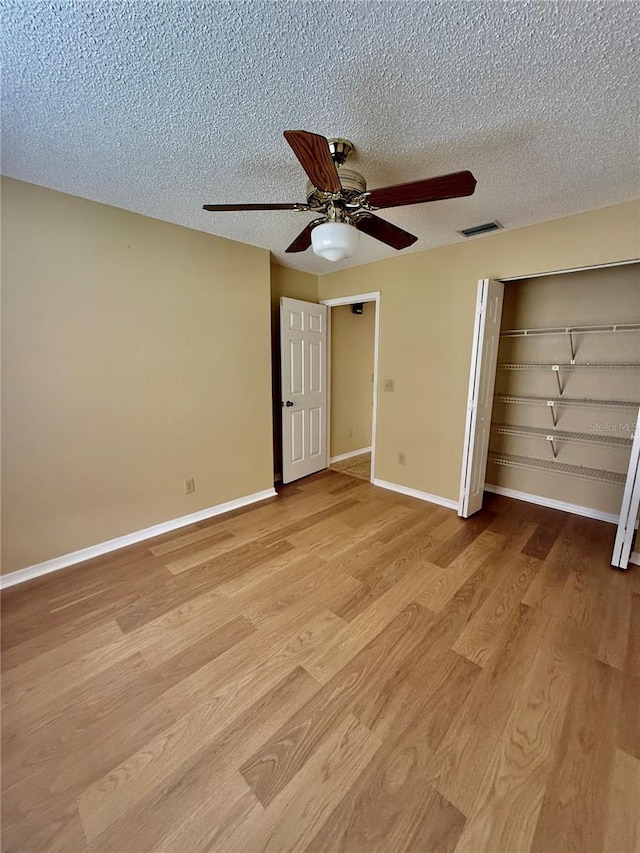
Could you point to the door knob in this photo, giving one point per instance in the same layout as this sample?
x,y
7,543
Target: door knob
x,y
289,403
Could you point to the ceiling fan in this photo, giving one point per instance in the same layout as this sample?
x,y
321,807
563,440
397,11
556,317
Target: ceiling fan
x,y
345,205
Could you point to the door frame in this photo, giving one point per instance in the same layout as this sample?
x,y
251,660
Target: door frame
x,y
353,300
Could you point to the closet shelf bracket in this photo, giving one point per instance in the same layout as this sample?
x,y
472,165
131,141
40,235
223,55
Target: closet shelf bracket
x,y
556,370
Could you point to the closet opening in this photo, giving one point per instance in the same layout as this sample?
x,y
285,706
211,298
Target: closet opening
x,y
566,392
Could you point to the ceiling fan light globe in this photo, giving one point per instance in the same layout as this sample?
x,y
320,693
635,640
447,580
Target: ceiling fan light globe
x,y
334,241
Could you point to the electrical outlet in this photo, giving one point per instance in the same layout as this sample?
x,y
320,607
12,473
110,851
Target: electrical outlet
x,y
402,458
389,385
350,434
189,486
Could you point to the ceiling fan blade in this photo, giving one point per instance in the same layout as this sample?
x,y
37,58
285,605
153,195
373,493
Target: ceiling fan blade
x,y
384,231
303,240
294,206
312,150
415,192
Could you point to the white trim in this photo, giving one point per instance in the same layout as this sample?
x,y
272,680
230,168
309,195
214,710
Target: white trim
x,y
350,455
67,560
572,269
352,300
634,557
415,493
376,374
576,509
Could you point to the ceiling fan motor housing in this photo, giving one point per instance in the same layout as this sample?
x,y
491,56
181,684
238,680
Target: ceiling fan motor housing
x,y
353,185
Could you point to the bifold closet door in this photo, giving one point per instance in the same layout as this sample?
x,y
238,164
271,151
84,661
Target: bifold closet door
x,y
630,505
482,378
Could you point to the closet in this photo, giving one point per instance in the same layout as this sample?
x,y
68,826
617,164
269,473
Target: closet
x,y
567,389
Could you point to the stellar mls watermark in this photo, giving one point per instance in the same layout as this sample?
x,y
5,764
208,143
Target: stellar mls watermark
x,y
620,426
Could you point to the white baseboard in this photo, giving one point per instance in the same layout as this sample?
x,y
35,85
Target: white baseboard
x,y
576,509
415,493
349,455
634,557
67,560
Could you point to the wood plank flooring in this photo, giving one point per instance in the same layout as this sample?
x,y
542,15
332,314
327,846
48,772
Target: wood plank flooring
x,y
357,466
340,669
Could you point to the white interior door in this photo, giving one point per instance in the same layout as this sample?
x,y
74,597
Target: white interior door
x,y
303,349
482,378
630,505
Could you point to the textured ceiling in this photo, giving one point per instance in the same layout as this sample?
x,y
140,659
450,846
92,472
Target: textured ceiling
x,y
159,107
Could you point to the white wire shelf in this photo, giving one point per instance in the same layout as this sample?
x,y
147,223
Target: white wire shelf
x,y
552,467
563,435
559,369
568,366
567,402
553,403
571,330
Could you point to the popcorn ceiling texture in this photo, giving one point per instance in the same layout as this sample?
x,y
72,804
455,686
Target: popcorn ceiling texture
x,y
159,107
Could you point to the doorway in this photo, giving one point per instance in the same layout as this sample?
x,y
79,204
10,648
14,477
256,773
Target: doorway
x,y
353,383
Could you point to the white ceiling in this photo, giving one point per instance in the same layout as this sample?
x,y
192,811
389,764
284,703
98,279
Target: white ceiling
x,y
159,107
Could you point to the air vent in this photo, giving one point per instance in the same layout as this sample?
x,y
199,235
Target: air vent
x,y
481,229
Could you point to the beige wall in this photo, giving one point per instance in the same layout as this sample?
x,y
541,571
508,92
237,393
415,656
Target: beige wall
x,y
426,322
352,347
296,285
292,283
135,354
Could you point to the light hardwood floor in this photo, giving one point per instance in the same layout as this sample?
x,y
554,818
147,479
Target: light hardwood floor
x,y
356,466
339,670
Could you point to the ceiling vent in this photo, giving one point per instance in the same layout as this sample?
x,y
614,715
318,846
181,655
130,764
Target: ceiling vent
x,y
481,229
